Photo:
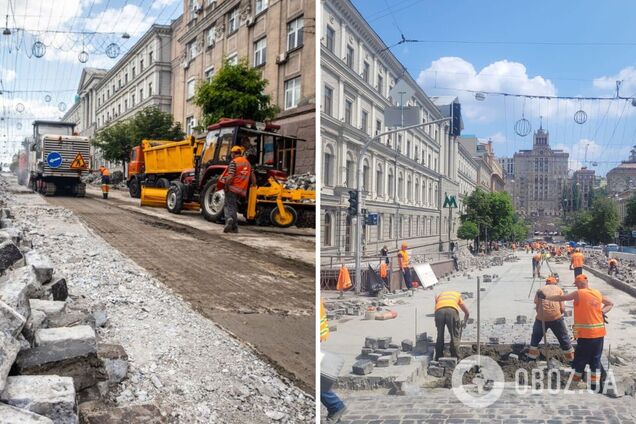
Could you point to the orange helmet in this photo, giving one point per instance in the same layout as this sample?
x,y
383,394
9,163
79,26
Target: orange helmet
x,y
551,280
581,278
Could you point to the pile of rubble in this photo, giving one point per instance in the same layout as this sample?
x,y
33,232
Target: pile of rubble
x,y
468,262
50,357
626,270
306,181
116,180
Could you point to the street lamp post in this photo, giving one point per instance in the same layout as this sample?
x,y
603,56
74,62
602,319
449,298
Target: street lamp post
x,y
359,184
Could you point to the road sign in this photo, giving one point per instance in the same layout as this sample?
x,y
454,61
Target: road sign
x,y
54,160
396,116
401,92
450,202
372,219
79,162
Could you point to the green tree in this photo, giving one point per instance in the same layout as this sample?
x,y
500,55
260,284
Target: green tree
x,y
493,213
630,212
117,140
467,231
598,225
236,91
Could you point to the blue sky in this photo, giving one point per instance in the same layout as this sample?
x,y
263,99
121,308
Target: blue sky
x,y
28,81
539,48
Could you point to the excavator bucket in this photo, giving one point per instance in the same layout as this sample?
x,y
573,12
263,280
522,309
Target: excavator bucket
x,y
153,196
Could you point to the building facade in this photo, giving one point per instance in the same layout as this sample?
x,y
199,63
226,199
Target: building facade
x,y
623,177
583,181
467,170
541,175
508,166
489,171
402,173
277,36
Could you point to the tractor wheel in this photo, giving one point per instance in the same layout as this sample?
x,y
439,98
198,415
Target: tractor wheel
x,y
80,190
134,188
279,221
174,198
212,201
49,189
163,183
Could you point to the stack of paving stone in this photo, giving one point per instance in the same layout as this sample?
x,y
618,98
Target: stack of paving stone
x,y
442,367
381,352
51,362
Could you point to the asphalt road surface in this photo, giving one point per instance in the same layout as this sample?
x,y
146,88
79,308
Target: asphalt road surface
x,y
264,299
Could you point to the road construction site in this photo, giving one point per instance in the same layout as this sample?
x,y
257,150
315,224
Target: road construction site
x,y
217,328
410,387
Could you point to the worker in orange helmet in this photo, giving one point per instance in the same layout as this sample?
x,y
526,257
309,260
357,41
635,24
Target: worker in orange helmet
x,y
403,262
576,262
590,309
550,314
237,178
105,173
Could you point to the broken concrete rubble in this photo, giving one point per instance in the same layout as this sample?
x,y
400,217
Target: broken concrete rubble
x,y
11,322
9,348
96,412
9,255
51,308
115,360
41,266
12,415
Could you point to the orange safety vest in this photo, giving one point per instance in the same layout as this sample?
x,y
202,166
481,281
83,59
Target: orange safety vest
x,y
324,326
105,172
383,270
577,260
405,258
448,299
536,257
588,315
241,179
613,262
344,280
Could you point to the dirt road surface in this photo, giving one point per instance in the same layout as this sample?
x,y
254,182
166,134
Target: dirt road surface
x,y
264,299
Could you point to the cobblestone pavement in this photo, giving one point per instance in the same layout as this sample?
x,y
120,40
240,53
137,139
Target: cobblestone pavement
x,y
439,406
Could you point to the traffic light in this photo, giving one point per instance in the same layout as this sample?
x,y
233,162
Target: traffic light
x,y
353,202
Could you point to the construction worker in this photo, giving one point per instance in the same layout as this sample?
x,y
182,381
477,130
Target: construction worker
x,y
105,180
403,262
237,177
536,265
335,407
590,307
344,280
447,306
612,266
384,254
576,262
384,274
550,314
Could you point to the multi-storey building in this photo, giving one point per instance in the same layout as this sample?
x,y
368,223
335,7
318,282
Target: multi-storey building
x,y
508,166
623,177
141,78
489,170
540,179
276,36
467,171
583,185
402,173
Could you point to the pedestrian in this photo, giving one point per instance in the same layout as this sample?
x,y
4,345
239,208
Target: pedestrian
x,y
403,262
536,265
447,307
105,173
590,309
384,274
384,254
455,261
237,177
612,266
576,262
550,314
335,407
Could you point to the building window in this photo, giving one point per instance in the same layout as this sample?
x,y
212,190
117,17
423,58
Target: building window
x,y
118,109
380,86
295,33
260,6
193,5
149,89
327,229
133,72
150,57
330,38
132,101
349,58
364,121
192,52
232,59
327,103
327,167
260,51
126,78
119,83
391,184
379,181
141,65
141,95
209,73
292,92
365,71
125,105
378,127
233,20
210,36
189,125
190,89
348,111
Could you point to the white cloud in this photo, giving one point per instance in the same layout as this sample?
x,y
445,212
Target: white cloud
x,y
131,19
596,152
628,87
500,76
8,75
158,4
42,14
497,137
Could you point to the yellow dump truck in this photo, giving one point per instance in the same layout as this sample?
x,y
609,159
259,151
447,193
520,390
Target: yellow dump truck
x,y
155,163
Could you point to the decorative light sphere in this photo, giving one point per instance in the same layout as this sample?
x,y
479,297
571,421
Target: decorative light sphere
x,y
19,107
83,56
19,125
112,50
523,127
38,49
61,106
580,117
47,98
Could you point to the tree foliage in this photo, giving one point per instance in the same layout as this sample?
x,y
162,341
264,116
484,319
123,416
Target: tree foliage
x,y
630,212
493,214
467,231
598,225
117,140
236,91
